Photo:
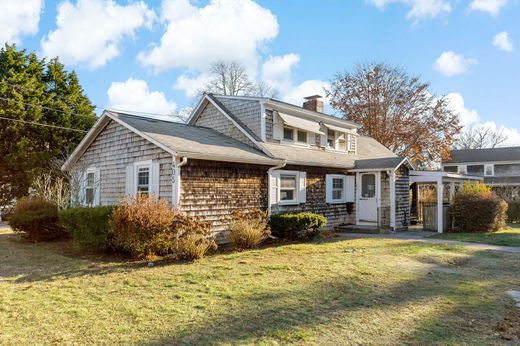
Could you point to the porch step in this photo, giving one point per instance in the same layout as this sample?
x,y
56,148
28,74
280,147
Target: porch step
x,y
365,229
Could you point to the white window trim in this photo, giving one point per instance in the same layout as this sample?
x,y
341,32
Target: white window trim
x,y
294,201
486,166
141,164
295,141
89,170
344,192
462,169
337,134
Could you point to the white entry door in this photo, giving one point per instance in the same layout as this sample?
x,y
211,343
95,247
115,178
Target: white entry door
x,y
367,195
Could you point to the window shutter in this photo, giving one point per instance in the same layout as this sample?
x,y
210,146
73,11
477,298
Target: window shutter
x,y
273,189
323,140
277,127
302,193
97,187
82,194
155,175
350,187
129,185
328,188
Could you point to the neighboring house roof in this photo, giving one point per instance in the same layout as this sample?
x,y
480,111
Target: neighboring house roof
x,y
380,164
309,156
484,155
502,180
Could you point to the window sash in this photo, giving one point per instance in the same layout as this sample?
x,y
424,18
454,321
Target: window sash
x,y
338,189
302,136
288,134
143,180
288,187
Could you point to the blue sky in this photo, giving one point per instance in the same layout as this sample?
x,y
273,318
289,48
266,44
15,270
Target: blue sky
x,y
153,56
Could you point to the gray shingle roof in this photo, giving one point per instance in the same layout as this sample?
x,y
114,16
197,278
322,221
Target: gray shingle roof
x,y
194,140
485,155
382,163
368,148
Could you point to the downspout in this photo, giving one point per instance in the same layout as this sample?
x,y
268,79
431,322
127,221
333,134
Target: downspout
x,y
176,179
269,171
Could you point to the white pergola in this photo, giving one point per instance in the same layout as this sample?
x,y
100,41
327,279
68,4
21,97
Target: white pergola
x,y
439,178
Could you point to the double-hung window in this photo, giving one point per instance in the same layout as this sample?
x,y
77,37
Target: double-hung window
x,y
489,170
288,134
331,139
143,180
288,187
90,188
302,137
338,188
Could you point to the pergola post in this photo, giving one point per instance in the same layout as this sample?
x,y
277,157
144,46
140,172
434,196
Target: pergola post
x,y
440,195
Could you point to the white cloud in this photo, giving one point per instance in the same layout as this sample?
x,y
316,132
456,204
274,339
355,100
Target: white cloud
x,y
307,88
468,117
18,18
92,31
502,42
230,30
419,9
450,63
192,85
134,95
492,7
277,71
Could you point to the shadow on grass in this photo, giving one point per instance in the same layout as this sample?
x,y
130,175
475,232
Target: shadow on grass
x,y
286,316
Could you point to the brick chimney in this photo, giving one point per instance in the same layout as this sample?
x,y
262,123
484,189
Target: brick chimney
x,y
313,103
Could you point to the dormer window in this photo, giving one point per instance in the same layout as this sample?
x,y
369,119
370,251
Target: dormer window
x,y
288,134
331,138
302,136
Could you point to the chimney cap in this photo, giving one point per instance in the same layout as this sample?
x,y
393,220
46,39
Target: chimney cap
x,y
313,97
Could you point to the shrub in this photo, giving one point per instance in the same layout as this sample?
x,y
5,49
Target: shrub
x,y
304,225
36,219
191,238
89,226
248,228
476,209
513,212
141,227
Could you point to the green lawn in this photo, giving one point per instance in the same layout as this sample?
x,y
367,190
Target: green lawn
x,y
335,291
506,237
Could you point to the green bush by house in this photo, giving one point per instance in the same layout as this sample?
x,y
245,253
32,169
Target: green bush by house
x,y
303,225
89,226
513,212
476,208
36,219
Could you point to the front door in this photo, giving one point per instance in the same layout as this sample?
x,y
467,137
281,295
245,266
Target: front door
x,y
367,193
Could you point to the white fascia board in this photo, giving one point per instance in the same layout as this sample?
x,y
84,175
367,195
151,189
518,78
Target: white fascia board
x,y
196,111
226,158
451,164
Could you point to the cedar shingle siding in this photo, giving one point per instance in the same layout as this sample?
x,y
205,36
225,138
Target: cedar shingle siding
x,y
402,198
117,147
315,197
211,117
247,111
212,190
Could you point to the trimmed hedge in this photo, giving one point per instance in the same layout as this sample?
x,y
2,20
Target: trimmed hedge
x,y
476,209
89,226
513,212
304,225
36,219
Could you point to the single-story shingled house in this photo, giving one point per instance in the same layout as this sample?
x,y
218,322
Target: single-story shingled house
x,y
242,153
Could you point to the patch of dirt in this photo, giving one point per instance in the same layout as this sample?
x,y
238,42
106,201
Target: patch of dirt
x,y
509,327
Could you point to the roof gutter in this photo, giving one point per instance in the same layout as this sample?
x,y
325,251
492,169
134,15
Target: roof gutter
x,y
269,178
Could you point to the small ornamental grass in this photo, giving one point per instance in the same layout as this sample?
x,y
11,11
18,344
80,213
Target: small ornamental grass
x,y
141,227
248,228
37,219
191,238
303,225
476,209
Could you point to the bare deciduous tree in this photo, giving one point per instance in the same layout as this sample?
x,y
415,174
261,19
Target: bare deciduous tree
x,y
396,109
479,137
231,78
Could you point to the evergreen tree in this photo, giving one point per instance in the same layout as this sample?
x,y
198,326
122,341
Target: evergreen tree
x,y
38,91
